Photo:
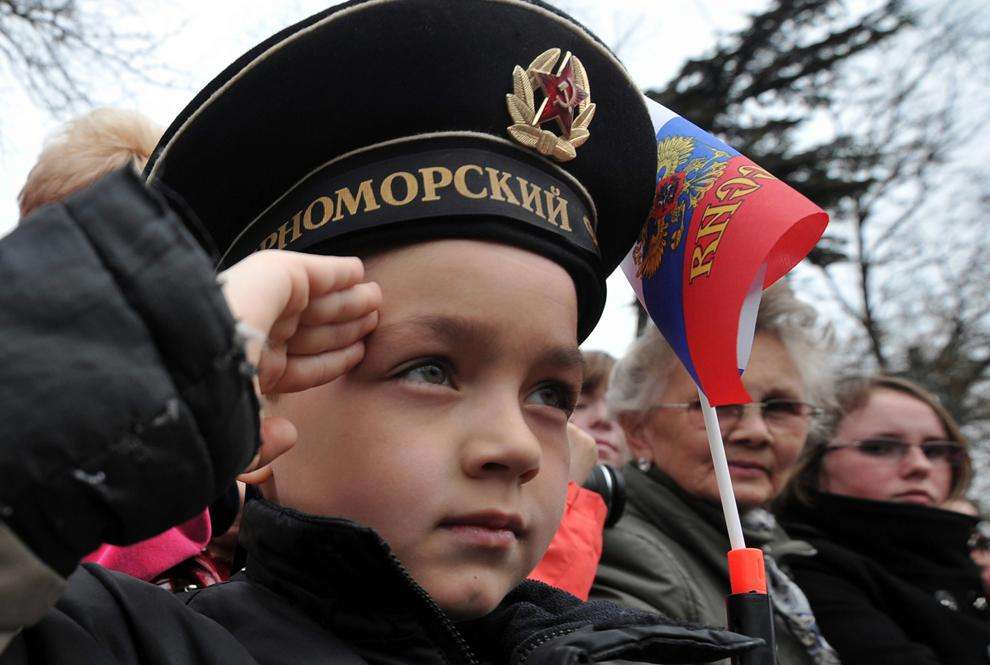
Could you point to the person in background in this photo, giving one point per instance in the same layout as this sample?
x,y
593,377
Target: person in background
x,y
84,150
79,153
979,539
892,580
668,552
591,413
979,551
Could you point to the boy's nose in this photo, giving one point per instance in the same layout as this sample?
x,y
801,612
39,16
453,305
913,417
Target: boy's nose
x,y
504,445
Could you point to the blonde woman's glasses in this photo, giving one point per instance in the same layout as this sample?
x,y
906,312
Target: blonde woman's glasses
x,y
894,450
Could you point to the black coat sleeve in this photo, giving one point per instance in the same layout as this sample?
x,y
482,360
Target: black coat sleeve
x,y
108,617
125,404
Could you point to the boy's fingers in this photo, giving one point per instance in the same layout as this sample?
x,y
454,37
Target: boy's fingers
x,y
256,477
305,372
341,306
310,340
272,284
278,435
332,273
271,367
283,330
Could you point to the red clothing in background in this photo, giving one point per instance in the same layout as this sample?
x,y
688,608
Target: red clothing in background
x,y
571,560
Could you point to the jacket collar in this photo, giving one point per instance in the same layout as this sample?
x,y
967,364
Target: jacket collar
x,y
915,537
346,577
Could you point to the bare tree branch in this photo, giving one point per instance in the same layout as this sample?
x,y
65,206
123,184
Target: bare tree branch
x,y
53,47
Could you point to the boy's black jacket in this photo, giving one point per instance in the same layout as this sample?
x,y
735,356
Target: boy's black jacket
x,y
321,590
125,409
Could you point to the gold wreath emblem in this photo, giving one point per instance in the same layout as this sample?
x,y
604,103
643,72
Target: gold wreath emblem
x,y
571,93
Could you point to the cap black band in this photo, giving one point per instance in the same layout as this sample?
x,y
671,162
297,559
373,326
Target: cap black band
x,y
439,181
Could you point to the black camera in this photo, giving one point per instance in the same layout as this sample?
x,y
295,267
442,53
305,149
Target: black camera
x,y
608,482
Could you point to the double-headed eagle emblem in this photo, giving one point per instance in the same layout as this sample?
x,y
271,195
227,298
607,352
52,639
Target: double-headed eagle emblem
x,y
685,173
567,99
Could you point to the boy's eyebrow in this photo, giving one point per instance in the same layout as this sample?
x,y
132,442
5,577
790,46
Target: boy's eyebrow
x,y
455,329
450,329
562,357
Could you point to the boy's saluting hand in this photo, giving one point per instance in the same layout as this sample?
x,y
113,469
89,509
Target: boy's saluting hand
x,y
313,310
313,313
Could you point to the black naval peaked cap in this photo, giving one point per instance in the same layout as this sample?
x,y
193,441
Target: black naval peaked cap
x,y
381,122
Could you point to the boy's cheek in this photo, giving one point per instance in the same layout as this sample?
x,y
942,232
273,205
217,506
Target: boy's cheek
x,y
548,513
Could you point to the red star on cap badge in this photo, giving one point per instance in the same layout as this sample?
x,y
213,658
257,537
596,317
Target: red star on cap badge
x,y
563,95
567,99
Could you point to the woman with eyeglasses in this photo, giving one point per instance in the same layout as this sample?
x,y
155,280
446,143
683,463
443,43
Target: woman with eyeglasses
x,y
668,552
892,581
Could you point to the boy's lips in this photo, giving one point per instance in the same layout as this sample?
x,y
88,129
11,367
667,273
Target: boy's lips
x,y
489,528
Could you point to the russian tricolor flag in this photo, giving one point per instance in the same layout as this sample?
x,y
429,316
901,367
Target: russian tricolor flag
x,y
721,230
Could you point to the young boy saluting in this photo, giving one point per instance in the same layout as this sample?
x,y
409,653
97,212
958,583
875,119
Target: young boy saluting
x,y
455,147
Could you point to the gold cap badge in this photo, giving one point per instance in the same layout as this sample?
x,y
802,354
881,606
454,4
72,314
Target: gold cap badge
x,y
565,93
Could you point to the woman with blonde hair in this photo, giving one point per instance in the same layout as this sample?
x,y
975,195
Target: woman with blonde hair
x,y
892,580
84,150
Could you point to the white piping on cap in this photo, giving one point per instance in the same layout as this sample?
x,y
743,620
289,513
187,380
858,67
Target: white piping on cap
x,y
346,12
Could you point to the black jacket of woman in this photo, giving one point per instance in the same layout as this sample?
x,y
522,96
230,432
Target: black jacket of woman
x,y
891,582
126,406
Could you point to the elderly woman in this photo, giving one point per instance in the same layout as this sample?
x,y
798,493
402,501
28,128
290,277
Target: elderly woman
x,y
668,553
892,580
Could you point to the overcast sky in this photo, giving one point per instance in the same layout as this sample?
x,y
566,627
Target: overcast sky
x,y
653,37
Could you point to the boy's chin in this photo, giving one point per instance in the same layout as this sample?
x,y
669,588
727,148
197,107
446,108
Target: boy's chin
x,y
472,599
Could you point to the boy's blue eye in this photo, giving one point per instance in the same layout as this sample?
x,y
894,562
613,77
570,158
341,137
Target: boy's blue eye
x,y
554,395
428,372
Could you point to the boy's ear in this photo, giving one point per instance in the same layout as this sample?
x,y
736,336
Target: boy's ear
x,y
632,425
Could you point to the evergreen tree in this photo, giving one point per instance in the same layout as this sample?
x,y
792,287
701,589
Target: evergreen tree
x,y
762,86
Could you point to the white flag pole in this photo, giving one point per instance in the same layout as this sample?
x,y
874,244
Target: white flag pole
x,y
722,477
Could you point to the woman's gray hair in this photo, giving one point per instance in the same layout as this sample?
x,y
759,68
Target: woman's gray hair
x,y
640,377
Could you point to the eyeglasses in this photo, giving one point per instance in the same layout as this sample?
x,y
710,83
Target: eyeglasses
x,y
894,450
780,414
